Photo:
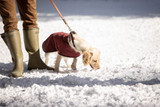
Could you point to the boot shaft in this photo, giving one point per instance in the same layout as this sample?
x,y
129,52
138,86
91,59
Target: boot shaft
x,y
13,41
31,40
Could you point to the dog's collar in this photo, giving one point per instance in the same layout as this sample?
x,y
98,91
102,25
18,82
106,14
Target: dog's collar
x,y
72,39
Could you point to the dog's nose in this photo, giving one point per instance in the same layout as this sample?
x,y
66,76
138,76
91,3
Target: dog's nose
x,y
98,67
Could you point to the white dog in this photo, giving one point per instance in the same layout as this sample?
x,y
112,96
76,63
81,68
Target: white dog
x,y
71,45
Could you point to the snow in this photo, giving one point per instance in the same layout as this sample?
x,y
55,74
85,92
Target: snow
x,y
127,32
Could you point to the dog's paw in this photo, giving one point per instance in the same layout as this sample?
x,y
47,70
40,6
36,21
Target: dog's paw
x,y
73,67
57,70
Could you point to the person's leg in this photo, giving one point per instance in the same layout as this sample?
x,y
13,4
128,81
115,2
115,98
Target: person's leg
x,y
8,14
27,9
28,13
11,36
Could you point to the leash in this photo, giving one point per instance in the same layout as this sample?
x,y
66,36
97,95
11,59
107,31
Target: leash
x,y
72,39
61,15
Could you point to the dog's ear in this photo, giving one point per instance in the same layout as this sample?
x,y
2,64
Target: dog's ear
x,y
87,57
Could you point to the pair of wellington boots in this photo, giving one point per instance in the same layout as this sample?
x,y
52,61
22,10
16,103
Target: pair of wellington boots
x,y
31,41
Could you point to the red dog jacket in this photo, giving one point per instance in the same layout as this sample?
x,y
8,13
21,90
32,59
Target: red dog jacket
x,y
59,42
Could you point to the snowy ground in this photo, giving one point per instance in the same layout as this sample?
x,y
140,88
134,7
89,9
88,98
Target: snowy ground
x,y
127,32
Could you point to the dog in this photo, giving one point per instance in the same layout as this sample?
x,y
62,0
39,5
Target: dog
x,y
70,45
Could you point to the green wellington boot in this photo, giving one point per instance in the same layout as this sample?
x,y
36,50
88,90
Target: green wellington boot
x,y
31,40
13,42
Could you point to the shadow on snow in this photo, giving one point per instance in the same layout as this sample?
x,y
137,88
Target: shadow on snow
x,y
70,81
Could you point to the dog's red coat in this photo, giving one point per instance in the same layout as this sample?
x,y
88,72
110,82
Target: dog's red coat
x,y
59,42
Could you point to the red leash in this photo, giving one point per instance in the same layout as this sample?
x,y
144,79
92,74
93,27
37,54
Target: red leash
x,y
60,15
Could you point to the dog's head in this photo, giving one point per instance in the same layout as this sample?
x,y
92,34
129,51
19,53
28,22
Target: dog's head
x,y
92,58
